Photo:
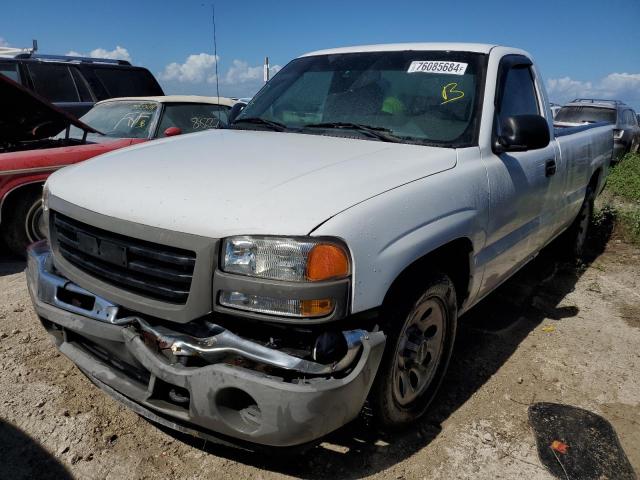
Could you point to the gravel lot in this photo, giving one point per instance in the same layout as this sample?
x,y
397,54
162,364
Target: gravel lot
x,y
553,333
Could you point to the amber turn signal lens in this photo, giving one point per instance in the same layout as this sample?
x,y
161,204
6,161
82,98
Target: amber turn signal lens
x,y
316,308
326,261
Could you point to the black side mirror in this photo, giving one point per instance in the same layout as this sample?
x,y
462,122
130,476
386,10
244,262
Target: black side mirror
x,y
235,111
522,132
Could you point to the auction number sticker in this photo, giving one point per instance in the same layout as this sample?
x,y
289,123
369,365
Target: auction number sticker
x,y
438,66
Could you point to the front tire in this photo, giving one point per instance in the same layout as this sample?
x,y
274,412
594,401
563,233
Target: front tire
x,y
421,330
23,221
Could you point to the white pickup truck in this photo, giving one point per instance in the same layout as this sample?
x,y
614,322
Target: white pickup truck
x,y
257,284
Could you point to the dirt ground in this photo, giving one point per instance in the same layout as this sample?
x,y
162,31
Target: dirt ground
x,y
555,332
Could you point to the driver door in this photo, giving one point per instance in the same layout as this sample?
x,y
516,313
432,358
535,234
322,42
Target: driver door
x,y
518,181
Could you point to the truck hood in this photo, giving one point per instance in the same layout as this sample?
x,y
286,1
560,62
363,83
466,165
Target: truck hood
x,y
228,182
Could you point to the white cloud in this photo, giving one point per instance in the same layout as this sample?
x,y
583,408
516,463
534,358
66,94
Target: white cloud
x,y
118,53
617,86
3,42
241,73
197,76
195,69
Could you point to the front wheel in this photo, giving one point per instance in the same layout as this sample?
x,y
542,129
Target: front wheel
x,y
23,221
420,331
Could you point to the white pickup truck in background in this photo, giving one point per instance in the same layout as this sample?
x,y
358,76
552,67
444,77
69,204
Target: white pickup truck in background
x,y
255,285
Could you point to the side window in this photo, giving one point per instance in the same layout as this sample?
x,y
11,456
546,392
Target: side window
x,y
10,70
54,82
127,82
629,118
193,117
519,94
81,85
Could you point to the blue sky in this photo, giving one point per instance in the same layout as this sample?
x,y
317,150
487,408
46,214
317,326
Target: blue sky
x,y
588,47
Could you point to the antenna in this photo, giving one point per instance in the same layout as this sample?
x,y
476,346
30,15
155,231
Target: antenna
x,y
215,50
266,69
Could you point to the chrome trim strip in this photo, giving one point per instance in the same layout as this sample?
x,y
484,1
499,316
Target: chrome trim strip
x,y
32,170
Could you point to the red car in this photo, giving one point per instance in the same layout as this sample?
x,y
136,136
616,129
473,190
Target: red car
x,y
29,153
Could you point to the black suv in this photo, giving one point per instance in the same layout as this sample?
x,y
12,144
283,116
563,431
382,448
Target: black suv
x,y
76,83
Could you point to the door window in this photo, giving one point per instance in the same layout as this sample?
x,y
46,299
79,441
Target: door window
x,y
128,82
628,118
193,117
519,95
81,85
10,70
54,82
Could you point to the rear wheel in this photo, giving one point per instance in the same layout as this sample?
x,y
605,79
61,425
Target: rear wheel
x,y
23,220
577,234
420,332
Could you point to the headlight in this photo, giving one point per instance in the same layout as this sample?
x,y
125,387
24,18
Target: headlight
x,y
617,134
286,259
289,259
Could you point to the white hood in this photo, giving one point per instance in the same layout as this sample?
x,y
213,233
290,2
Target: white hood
x,y
229,182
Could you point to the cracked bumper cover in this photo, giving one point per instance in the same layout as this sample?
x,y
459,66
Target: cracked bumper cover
x,y
282,413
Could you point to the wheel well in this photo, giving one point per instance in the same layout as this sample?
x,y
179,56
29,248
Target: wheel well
x,y
15,193
453,259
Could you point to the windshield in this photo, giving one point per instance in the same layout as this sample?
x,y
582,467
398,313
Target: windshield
x,y
585,115
428,97
121,119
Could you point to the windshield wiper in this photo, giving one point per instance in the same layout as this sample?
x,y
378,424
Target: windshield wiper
x,y
381,133
276,126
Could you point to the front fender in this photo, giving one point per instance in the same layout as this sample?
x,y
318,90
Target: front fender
x,y
389,232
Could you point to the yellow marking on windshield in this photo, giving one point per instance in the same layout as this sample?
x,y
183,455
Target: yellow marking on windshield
x,y
451,93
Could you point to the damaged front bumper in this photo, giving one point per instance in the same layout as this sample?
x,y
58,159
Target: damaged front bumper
x,y
142,364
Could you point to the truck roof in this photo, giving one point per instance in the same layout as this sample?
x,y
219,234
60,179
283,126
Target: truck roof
x,y
177,99
398,47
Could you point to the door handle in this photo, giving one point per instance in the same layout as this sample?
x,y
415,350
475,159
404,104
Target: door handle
x,y
550,168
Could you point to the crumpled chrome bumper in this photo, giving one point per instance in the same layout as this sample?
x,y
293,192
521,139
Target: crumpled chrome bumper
x,y
139,363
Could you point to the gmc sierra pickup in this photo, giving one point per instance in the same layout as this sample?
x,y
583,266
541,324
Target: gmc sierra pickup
x,y
257,284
